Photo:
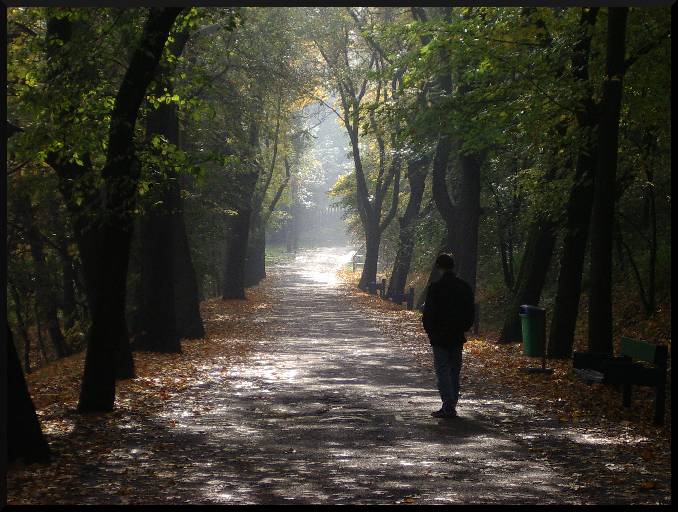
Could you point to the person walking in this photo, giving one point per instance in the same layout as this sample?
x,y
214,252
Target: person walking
x,y
449,312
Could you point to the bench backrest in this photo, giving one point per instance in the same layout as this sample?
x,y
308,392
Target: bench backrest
x,y
643,351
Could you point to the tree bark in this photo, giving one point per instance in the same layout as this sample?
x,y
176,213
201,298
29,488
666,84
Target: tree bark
x,y
38,330
22,326
24,435
372,242
566,306
602,218
239,224
417,170
236,253
531,277
158,328
120,175
468,218
45,296
173,296
255,265
186,293
82,198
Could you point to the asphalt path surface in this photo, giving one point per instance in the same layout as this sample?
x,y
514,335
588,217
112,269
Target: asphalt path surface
x,y
328,410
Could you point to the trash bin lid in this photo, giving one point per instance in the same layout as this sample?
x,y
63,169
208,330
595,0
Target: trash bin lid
x,y
527,309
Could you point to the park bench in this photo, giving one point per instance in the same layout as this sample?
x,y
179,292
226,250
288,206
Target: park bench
x,y
639,364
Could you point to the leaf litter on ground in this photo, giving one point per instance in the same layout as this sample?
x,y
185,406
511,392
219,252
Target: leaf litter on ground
x,y
634,456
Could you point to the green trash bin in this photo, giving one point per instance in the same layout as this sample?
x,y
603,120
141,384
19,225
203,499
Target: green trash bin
x,y
533,320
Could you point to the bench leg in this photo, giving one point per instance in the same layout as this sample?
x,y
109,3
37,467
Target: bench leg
x,y
626,395
660,398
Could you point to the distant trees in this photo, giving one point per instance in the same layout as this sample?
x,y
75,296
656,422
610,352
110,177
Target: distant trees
x,y
514,108
377,168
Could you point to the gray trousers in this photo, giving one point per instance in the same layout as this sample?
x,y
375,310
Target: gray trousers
x,y
447,363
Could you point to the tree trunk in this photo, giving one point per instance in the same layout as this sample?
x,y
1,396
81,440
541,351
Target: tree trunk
x,y
602,218
506,267
240,223
417,169
186,294
468,218
68,278
236,254
24,435
372,242
159,332
255,266
566,306
120,175
46,298
293,224
38,330
69,304
531,277
172,250
22,326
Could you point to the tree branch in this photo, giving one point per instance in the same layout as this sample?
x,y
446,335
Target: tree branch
x,y
645,50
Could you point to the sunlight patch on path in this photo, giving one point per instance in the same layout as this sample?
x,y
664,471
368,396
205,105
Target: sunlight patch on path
x,y
328,410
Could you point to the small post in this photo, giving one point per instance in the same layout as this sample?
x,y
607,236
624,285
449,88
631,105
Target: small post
x,y
660,397
476,318
383,288
410,298
353,260
626,394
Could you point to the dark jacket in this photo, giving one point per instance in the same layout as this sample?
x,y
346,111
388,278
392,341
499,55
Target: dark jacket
x,y
449,310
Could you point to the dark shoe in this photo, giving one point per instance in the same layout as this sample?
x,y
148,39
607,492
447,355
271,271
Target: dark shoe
x,y
444,414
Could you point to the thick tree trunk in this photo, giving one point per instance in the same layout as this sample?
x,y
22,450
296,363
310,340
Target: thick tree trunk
x,y
38,330
18,311
24,436
236,254
566,306
372,242
186,294
602,218
417,169
120,175
468,218
239,224
255,266
531,277
181,307
158,331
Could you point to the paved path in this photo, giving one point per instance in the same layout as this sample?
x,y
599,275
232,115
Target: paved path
x,y
330,411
